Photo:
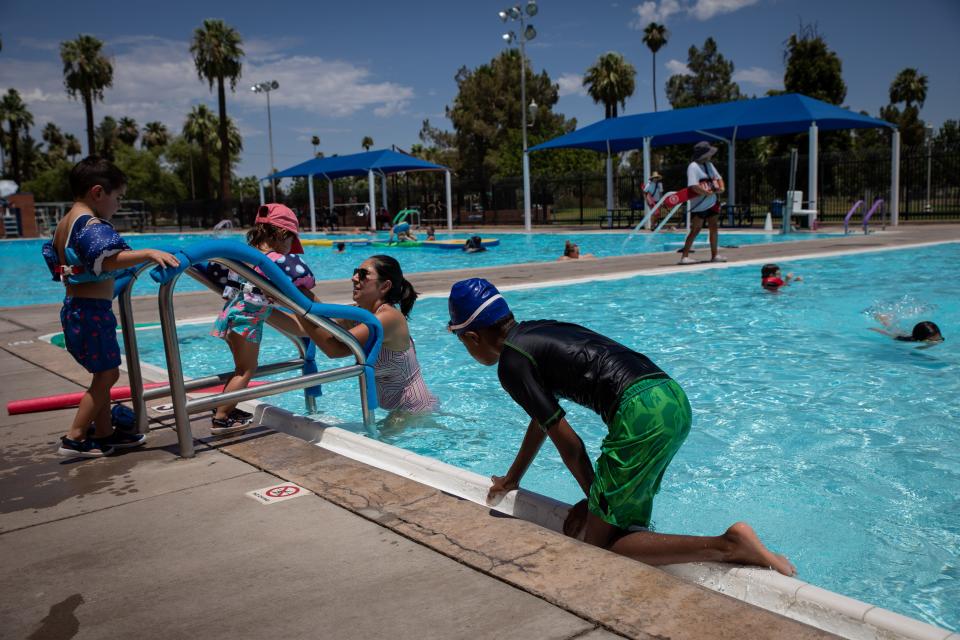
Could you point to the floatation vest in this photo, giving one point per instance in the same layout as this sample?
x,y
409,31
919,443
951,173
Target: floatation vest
x,y
86,248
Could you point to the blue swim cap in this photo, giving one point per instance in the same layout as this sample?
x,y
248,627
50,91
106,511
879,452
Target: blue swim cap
x,y
474,304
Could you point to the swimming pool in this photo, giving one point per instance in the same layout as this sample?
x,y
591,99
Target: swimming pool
x,y
26,281
839,445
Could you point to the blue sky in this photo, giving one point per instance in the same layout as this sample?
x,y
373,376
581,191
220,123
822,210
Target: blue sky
x,y
347,70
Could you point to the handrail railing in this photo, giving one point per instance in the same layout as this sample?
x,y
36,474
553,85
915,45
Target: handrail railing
x,y
866,219
275,284
846,219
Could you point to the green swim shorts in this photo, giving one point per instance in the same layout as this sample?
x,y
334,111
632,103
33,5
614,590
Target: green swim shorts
x,y
651,422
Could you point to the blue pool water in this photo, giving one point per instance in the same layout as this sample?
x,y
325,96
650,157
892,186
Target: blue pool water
x,y
839,445
26,282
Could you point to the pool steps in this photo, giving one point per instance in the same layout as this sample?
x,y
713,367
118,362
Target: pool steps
x,y
765,588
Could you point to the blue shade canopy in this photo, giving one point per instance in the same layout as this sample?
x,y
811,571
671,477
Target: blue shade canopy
x,y
358,164
740,120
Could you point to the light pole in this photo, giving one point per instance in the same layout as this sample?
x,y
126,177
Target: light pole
x,y
929,141
527,33
267,87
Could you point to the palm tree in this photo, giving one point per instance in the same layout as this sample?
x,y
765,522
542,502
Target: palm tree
x,y
14,111
610,81
201,127
216,54
315,141
128,131
86,73
366,143
107,136
234,139
155,135
909,86
71,146
54,139
655,36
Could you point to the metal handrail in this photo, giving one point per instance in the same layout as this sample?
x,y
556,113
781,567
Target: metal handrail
x,y
182,408
846,219
866,219
139,395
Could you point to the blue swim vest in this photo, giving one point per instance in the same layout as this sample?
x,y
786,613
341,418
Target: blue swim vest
x,y
88,245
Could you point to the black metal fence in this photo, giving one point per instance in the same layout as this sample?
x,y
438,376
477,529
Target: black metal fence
x,y
929,191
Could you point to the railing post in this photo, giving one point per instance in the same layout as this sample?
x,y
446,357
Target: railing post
x,y
134,374
178,393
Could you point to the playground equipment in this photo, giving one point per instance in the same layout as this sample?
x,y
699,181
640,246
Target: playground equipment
x,y
413,213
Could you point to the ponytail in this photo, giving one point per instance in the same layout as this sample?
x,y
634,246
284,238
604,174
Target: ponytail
x,y
401,291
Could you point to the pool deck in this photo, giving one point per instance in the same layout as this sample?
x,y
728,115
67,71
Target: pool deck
x,y
149,544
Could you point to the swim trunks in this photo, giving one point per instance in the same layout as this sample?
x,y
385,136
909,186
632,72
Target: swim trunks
x,y
243,317
90,333
651,422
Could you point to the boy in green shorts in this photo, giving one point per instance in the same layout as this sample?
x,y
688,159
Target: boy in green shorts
x,y
647,415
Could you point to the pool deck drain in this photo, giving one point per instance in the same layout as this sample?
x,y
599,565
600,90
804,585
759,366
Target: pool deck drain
x,y
151,544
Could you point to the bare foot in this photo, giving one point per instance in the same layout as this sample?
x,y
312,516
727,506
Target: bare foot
x,y
747,549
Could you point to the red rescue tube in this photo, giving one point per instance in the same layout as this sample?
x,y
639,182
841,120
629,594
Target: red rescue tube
x,y
67,400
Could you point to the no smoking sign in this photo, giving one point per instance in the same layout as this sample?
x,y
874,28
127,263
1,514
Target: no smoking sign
x,y
278,493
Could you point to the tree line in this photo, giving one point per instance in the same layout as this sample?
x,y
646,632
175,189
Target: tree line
x,y
485,141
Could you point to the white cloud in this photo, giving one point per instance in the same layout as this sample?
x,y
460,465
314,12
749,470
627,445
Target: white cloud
x,y
675,67
654,11
706,9
155,79
661,10
758,76
571,84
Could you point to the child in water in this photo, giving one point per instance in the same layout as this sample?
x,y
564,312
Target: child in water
x,y
924,331
771,279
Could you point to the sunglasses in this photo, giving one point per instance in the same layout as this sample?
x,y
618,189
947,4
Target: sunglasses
x,y
362,274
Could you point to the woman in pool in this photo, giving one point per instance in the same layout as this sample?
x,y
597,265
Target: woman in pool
x,y
380,288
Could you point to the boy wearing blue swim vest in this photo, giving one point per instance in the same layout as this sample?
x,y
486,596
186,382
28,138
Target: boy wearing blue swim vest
x,y
647,416
86,254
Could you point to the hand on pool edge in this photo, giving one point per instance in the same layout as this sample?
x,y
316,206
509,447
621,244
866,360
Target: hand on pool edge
x,y
500,488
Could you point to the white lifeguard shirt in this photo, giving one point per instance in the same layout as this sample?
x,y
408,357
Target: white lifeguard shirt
x,y
703,176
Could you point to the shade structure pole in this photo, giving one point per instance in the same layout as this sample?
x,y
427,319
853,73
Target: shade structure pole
x,y
383,191
609,187
812,162
449,201
330,198
263,200
895,178
372,187
313,206
646,180
732,172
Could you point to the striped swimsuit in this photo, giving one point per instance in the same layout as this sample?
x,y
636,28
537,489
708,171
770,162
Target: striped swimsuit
x,y
400,384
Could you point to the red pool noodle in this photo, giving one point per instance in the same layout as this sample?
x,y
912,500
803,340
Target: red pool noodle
x,y
67,400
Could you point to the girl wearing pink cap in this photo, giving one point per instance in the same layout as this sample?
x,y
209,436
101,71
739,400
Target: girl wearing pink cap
x,y
240,323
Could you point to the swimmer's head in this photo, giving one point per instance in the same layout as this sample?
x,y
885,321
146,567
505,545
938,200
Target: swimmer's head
x,y
926,331
478,316
770,277
571,249
769,271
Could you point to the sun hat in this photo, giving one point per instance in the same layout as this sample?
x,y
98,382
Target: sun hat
x,y
656,176
475,304
703,150
281,216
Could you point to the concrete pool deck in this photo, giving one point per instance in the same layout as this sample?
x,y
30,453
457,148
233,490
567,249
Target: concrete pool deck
x,y
146,543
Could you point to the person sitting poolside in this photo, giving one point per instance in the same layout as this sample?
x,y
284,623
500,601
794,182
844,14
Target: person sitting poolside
x,y
571,251
646,413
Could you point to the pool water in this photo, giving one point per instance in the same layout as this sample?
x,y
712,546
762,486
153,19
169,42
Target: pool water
x,y
839,445
26,279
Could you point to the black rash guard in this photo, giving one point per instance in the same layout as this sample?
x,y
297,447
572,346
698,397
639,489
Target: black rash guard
x,y
544,359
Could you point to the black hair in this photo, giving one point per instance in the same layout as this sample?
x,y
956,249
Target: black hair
x,y
769,270
268,234
568,248
95,171
923,331
401,292
490,332
341,246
